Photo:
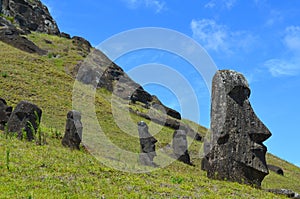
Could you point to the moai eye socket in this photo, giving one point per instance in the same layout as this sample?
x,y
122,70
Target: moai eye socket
x,y
239,94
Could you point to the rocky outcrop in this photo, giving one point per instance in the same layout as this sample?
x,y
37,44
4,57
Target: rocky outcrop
x,y
276,169
180,147
236,150
169,122
11,35
83,46
25,120
147,142
5,112
29,15
73,132
99,71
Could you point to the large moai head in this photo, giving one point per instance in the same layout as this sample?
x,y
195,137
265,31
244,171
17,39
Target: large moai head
x,y
236,151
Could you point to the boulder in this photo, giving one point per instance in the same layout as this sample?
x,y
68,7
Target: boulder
x,y
180,146
5,112
236,151
73,132
147,142
29,15
25,118
83,46
65,35
276,169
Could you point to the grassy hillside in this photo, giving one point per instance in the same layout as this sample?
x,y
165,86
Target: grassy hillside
x,y
52,171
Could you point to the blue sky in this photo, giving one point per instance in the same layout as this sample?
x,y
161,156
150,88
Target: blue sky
x,y
259,38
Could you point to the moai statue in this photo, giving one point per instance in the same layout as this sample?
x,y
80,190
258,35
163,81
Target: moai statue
x,y
180,147
236,150
73,132
147,142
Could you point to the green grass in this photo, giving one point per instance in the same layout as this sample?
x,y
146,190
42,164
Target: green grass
x,y
52,171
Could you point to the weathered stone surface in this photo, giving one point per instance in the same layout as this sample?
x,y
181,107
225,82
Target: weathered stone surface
x,y
180,147
5,112
285,192
10,35
276,169
73,132
25,118
30,15
147,142
169,122
236,152
99,71
83,46
65,35
171,112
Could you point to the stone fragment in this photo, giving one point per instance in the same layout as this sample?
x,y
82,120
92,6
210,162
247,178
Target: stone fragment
x,y
180,147
276,169
73,132
25,119
5,112
236,151
147,142
286,192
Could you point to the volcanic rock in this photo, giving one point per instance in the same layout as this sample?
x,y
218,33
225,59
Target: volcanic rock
x,y
26,119
286,192
12,36
276,169
236,152
29,15
98,70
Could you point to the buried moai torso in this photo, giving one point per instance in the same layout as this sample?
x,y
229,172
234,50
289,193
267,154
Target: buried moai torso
x,y
73,132
180,146
147,142
236,151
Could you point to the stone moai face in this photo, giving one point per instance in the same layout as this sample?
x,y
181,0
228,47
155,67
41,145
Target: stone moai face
x,y
180,145
147,141
237,152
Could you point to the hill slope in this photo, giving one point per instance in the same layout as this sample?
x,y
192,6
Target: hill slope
x,y
28,170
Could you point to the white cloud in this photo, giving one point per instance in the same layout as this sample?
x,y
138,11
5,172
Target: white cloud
x,y
220,38
281,67
290,65
211,34
274,18
157,5
228,4
292,39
